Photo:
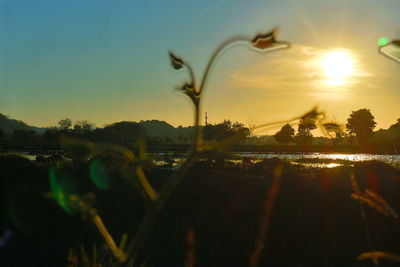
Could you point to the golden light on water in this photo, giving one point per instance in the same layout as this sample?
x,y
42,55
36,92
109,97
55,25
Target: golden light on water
x,y
337,66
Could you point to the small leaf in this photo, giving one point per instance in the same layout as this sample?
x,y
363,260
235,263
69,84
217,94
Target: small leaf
x,y
188,90
264,40
268,40
311,118
331,126
176,62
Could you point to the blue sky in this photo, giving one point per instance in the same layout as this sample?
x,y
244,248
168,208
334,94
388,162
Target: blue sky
x,y
107,61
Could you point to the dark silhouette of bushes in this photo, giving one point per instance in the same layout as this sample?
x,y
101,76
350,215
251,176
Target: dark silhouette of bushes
x,y
223,130
315,219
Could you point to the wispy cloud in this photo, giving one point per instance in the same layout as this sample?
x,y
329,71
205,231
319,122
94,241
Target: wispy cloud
x,y
297,70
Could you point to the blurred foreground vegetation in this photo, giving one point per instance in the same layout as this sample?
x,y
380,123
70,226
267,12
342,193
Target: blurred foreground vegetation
x,y
212,218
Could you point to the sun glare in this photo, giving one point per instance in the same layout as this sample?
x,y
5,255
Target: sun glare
x,y
337,66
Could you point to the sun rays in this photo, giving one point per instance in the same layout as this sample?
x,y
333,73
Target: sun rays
x,y
337,66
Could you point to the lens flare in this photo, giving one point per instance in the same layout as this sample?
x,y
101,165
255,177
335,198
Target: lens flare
x,y
383,41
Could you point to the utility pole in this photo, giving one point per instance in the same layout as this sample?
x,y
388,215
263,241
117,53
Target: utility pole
x,y
206,119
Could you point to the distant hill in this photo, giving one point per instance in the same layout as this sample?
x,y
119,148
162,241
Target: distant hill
x,y
162,129
9,125
158,128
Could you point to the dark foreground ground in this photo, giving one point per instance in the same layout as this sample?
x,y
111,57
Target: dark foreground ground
x,y
212,219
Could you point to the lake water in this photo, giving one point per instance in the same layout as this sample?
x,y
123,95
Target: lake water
x,y
296,158
174,159
391,159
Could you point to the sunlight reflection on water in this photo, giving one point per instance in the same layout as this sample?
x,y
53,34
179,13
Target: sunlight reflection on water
x,y
292,157
319,165
296,158
174,160
349,157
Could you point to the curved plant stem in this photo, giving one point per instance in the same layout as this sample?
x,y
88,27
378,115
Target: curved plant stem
x,y
145,183
215,54
197,130
118,254
191,73
174,180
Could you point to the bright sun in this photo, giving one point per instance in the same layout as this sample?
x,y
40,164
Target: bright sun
x,y
337,66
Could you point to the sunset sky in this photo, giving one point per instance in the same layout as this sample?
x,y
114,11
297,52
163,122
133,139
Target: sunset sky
x,y
107,60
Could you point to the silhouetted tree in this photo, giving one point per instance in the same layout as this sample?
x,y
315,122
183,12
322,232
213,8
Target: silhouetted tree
x,y
222,130
1,136
304,135
208,132
339,138
225,129
361,123
81,127
77,129
65,124
285,134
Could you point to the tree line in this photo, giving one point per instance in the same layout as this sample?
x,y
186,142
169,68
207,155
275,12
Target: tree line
x,y
123,133
359,130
